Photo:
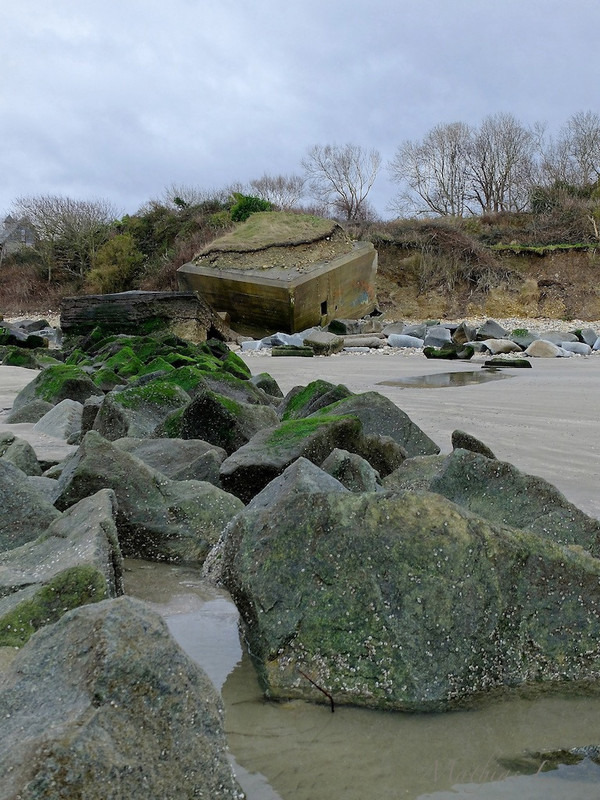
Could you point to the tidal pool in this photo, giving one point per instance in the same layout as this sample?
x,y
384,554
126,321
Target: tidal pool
x,y
442,380
299,751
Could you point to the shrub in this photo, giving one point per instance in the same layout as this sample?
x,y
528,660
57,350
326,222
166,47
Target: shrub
x,y
245,205
117,265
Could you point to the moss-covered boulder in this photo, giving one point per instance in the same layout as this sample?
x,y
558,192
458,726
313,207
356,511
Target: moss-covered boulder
x,y
380,417
138,411
157,518
302,401
57,383
178,459
223,422
270,451
408,602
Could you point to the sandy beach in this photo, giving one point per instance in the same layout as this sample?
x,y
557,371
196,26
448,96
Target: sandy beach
x,y
545,420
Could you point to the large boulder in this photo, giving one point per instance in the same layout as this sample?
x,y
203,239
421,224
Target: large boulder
x,y
157,518
178,459
407,602
502,494
77,560
138,411
55,384
63,421
105,705
26,513
225,423
302,401
379,416
253,466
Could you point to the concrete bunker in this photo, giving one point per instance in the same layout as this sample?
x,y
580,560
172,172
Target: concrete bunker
x,y
286,272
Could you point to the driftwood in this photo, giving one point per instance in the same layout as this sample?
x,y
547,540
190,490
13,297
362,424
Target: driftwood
x,y
185,313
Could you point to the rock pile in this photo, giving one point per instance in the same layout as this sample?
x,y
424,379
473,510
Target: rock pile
x,y
367,568
437,339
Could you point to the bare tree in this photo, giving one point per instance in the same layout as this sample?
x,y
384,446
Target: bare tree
x,y
580,141
341,177
501,164
434,172
283,191
178,195
69,232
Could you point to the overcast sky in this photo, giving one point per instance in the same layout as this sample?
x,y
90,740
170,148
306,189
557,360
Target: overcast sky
x,y
118,99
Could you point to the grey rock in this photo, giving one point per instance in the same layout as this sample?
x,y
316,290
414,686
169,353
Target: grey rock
x,y
302,401
596,345
25,511
491,330
55,384
105,705
579,348
466,441
20,453
158,518
419,330
301,477
178,459
395,328
62,421
402,340
437,336
380,416
324,343
524,339
558,337
588,336
463,333
44,485
30,412
352,471
370,341
407,602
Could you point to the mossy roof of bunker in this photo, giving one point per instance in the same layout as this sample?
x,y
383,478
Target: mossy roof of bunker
x,y
273,239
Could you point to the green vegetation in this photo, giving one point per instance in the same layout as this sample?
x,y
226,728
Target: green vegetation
x,y
76,586
245,205
264,229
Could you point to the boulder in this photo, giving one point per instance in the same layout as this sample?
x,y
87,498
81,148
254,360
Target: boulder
x,y
588,336
178,459
437,336
105,705
57,383
247,471
138,411
558,337
407,602
267,383
324,343
579,348
302,401
500,346
157,518
364,340
419,330
30,412
543,349
20,453
523,337
450,351
77,560
63,421
466,441
502,494
490,330
463,333
25,512
402,340
352,471
380,416
225,423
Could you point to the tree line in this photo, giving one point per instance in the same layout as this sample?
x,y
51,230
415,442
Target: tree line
x,y
455,170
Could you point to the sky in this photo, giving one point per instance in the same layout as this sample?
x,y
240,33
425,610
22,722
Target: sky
x,y
119,99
